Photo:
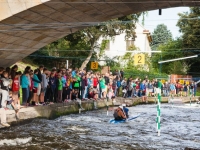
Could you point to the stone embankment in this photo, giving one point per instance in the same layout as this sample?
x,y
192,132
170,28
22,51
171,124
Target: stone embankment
x,y
56,110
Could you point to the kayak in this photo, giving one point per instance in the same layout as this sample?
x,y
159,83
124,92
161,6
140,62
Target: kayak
x,y
123,121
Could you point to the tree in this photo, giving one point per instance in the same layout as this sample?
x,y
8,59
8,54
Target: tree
x,y
107,29
170,50
87,38
161,35
189,24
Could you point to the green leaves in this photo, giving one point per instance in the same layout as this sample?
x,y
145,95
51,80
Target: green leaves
x,y
161,35
189,24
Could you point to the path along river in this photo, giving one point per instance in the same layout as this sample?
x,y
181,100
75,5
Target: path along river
x,y
180,128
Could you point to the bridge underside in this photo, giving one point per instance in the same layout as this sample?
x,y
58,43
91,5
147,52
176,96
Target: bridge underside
x,y
28,25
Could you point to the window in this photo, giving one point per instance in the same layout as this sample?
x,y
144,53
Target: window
x,y
129,43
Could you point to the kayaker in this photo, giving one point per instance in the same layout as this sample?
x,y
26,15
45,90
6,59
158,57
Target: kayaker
x,y
119,113
125,109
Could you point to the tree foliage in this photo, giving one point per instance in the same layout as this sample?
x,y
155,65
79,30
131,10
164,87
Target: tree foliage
x,y
189,24
161,35
74,45
171,50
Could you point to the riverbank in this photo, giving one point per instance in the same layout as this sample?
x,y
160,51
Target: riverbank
x,y
55,110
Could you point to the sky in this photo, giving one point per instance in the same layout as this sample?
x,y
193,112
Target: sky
x,y
169,17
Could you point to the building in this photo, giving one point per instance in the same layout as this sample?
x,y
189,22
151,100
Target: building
x,y
118,46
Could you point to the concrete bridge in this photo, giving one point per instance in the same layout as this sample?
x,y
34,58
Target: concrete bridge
x,y
28,25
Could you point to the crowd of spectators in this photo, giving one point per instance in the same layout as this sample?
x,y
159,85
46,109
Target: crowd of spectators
x,y
43,87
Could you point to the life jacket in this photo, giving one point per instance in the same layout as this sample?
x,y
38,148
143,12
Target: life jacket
x,y
116,112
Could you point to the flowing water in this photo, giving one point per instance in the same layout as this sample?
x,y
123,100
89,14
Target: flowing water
x,y
180,128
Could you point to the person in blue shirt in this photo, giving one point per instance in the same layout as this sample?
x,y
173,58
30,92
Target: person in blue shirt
x,y
74,72
118,86
25,83
126,110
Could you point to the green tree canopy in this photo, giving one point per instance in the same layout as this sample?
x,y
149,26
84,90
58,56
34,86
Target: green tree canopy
x,y
171,50
189,24
87,38
161,35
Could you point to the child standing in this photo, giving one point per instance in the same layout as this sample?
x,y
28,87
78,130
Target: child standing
x,y
15,90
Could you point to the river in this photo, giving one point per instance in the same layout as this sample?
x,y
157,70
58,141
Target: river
x,y
180,128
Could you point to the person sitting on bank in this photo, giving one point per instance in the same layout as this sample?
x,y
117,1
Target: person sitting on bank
x,y
125,109
119,114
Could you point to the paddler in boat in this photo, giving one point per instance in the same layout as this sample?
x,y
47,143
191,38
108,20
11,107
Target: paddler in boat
x,y
119,114
125,110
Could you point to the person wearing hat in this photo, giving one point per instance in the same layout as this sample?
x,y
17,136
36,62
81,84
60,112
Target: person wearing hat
x,y
119,114
125,110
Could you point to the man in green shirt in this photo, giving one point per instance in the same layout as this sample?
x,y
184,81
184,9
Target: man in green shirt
x,y
76,84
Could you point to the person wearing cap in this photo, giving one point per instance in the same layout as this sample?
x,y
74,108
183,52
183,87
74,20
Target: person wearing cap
x,y
125,110
119,114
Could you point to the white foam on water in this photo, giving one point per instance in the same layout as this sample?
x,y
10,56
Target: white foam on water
x,y
83,118
17,141
77,128
189,106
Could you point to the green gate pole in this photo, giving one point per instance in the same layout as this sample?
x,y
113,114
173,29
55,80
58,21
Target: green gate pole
x,y
158,106
158,113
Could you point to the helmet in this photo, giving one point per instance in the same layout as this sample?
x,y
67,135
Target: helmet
x,y
124,105
121,107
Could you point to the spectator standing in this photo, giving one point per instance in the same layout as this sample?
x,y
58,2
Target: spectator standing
x,y
172,89
76,84
39,75
118,86
107,81
59,87
13,71
122,74
25,86
84,87
31,90
143,91
103,87
9,72
114,85
185,89
52,86
124,83
36,83
44,84
15,89
64,82
69,86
